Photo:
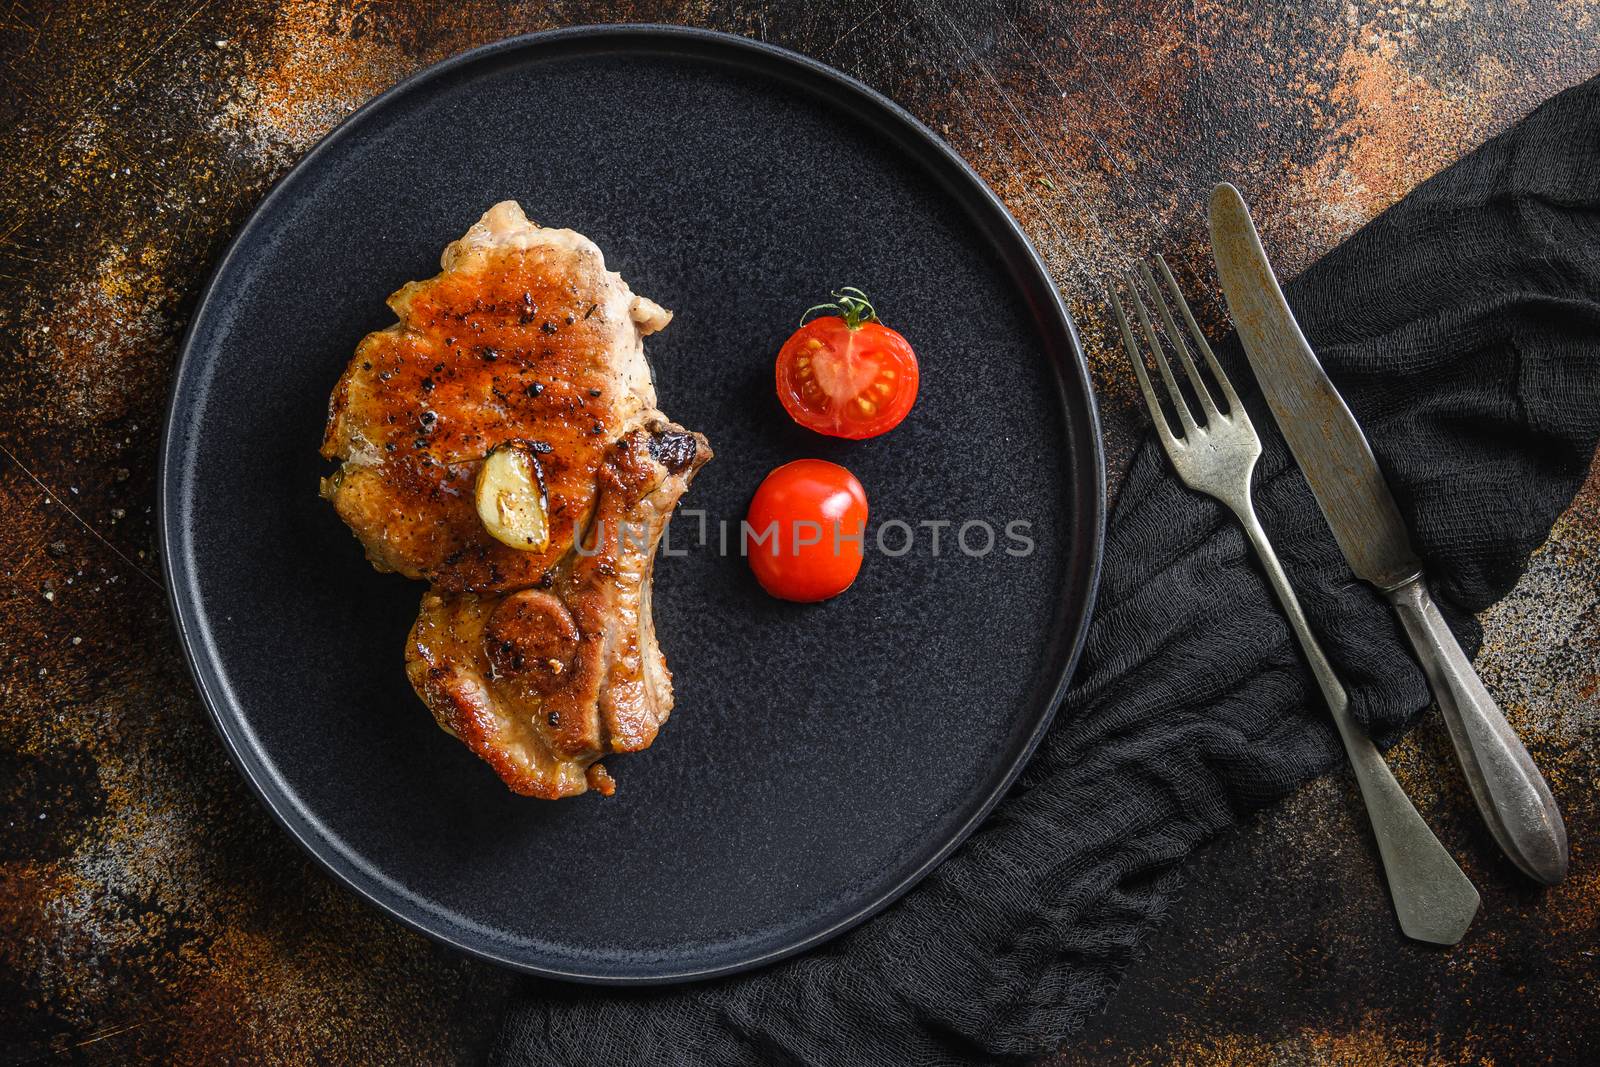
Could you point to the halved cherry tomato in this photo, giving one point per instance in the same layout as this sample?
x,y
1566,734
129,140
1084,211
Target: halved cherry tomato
x,y
847,375
807,523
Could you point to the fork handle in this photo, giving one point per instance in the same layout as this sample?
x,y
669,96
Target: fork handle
x,y
1433,899
1511,793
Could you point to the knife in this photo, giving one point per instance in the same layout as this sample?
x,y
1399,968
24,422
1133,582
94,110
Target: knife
x,y
1338,463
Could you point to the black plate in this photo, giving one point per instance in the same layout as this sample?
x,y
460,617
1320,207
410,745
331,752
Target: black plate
x,y
820,759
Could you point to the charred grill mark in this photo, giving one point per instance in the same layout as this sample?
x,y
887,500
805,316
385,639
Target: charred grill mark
x,y
673,449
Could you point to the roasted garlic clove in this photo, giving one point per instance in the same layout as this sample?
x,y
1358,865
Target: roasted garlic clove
x,y
510,495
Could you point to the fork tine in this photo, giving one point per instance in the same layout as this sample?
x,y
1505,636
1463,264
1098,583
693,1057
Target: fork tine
x,y
1234,407
1157,416
1162,301
1179,404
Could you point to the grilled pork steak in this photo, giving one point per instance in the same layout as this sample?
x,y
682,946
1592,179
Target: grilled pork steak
x,y
537,651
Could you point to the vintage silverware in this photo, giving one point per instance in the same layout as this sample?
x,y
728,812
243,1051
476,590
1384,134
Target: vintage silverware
x,y
1217,456
1337,461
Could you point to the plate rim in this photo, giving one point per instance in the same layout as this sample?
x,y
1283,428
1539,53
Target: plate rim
x,y
200,656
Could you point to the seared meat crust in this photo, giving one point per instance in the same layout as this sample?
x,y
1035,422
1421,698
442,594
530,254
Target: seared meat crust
x,y
540,661
524,334
543,682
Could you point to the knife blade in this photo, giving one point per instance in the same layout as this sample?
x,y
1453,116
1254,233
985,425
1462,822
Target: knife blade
x,y
1322,434
1334,455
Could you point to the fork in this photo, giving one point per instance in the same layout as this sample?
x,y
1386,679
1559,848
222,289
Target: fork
x,y
1216,455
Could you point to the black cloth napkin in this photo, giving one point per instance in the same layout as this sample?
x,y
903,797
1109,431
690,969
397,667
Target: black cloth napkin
x,y
1463,328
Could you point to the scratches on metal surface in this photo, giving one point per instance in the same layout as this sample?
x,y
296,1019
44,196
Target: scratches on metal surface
x,y
55,498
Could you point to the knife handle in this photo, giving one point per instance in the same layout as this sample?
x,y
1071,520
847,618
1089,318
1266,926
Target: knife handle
x,y
1433,899
1511,793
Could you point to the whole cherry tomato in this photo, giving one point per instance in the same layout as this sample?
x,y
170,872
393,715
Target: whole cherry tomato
x,y
847,375
807,524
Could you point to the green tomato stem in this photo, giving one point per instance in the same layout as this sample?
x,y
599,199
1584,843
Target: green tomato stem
x,y
850,304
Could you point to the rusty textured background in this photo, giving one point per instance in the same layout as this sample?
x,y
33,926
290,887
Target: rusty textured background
x,y
149,908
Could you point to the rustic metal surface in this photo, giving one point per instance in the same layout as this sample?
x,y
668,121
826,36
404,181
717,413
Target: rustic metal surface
x,y
149,908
